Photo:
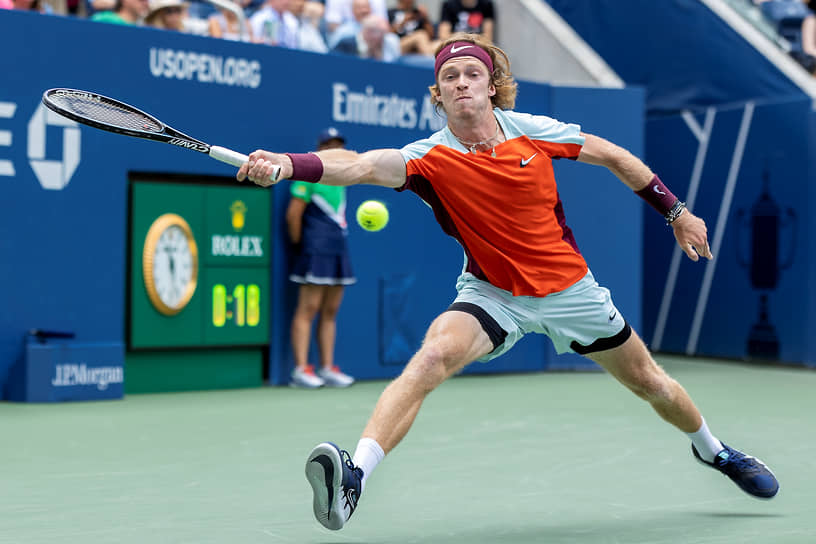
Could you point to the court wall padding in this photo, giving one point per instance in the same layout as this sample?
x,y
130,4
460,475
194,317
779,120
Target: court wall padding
x,y
64,189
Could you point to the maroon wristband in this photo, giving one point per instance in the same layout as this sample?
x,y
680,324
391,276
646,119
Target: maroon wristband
x,y
306,167
658,196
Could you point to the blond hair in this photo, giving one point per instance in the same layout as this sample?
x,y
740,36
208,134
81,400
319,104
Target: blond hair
x,y
501,78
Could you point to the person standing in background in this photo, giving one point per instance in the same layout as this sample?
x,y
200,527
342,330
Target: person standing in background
x,y
316,220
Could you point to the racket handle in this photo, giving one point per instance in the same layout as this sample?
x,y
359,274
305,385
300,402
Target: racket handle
x,y
236,159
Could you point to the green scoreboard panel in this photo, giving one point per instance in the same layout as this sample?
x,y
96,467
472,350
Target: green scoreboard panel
x,y
237,306
200,265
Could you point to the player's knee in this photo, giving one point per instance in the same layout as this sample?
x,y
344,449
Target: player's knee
x,y
652,386
432,365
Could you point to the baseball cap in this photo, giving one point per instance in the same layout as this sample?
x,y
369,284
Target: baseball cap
x,y
329,134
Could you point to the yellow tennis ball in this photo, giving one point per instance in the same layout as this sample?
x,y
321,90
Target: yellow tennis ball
x,y
372,215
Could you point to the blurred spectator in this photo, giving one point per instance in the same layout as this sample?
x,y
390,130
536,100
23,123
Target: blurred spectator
x,y
226,25
411,23
125,12
373,41
6,4
342,11
166,14
273,24
310,17
809,43
360,9
471,16
95,6
31,5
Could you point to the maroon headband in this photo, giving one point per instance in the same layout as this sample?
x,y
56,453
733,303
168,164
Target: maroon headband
x,y
462,49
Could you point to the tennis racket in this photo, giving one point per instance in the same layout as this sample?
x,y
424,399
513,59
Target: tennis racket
x,y
112,115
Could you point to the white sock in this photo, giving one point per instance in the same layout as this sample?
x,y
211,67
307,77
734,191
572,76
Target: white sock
x,y
705,442
367,456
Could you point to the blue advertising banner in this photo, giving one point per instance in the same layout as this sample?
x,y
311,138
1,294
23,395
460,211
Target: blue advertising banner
x,y
68,371
750,180
64,188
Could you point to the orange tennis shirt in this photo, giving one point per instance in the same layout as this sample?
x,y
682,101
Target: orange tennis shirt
x,y
505,210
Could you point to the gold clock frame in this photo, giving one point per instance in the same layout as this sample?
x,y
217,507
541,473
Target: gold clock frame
x,y
162,223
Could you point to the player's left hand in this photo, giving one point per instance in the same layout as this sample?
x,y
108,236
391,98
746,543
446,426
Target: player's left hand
x,y
692,236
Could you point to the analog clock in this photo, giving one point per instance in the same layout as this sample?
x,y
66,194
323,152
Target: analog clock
x,y
170,264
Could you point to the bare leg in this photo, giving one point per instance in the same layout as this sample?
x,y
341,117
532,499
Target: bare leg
x,y
309,297
453,340
633,366
327,324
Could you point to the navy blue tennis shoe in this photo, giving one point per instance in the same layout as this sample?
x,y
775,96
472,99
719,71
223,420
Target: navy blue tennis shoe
x,y
749,473
336,485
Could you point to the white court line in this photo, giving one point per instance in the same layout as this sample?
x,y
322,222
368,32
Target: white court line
x,y
704,136
719,230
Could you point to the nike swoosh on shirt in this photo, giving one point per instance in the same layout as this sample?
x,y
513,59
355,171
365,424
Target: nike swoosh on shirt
x,y
455,49
525,162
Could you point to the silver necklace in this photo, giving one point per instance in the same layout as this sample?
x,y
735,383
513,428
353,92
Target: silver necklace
x,y
472,146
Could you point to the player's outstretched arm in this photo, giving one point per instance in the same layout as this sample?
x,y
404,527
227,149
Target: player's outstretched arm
x,y
384,167
689,230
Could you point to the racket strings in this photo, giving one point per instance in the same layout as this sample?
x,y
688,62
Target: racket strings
x,y
110,114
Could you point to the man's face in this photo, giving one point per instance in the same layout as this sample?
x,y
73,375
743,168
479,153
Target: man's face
x,y
360,9
279,5
137,8
464,86
373,34
296,6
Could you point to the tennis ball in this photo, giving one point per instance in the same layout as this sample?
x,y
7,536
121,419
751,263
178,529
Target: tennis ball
x,y
372,215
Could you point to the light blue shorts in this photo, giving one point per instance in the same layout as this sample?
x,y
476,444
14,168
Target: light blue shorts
x,y
579,319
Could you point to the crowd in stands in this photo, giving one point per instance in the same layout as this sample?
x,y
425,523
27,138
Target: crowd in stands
x,y
386,30
795,21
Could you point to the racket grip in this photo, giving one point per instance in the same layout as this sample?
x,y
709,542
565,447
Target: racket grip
x,y
236,159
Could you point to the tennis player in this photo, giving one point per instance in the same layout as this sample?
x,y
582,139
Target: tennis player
x,y
488,177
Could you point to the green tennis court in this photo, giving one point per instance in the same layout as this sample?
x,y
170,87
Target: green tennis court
x,y
550,458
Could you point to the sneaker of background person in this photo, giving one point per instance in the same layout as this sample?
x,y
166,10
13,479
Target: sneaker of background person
x,y
305,377
332,377
749,473
336,484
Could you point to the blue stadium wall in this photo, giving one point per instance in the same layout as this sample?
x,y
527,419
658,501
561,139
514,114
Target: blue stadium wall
x,y
734,136
64,188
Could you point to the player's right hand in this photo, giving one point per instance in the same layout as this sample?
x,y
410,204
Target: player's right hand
x,y
261,167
